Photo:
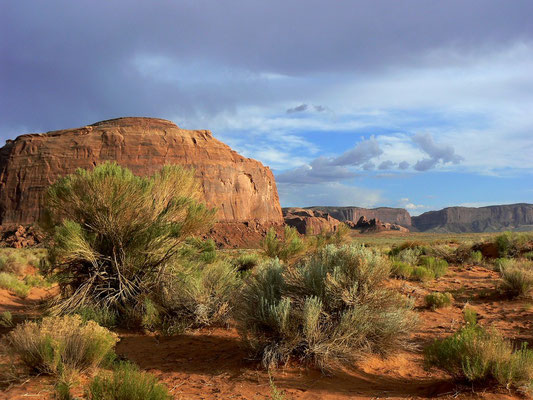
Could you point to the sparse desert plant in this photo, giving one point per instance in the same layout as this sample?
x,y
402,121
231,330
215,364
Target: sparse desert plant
x,y
286,247
422,274
517,277
13,284
6,319
330,308
102,316
476,256
408,255
479,355
438,300
113,234
511,244
61,345
438,266
402,270
199,295
126,382
529,255
246,262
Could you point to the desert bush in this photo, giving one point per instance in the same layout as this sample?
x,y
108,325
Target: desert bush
x,y
126,382
438,266
199,250
476,257
422,274
113,234
13,264
58,345
479,355
330,308
511,244
6,319
13,284
337,237
438,300
529,255
199,295
402,270
246,262
517,277
102,316
284,247
407,255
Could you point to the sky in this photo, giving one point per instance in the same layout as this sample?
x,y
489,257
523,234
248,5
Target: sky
x,y
414,103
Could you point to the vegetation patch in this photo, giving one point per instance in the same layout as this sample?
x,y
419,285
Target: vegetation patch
x,y
283,247
517,277
438,300
13,284
330,308
61,345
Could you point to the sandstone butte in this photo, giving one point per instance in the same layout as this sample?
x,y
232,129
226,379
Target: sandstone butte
x,y
242,189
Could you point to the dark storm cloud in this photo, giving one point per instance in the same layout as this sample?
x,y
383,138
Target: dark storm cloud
x,y
66,63
436,152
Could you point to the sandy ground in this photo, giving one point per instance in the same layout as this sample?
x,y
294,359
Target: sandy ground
x,y
210,364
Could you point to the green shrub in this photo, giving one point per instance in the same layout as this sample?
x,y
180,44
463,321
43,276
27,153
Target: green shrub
x,y
400,269
438,300
246,262
58,345
330,308
511,244
517,277
127,382
470,315
13,264
6,319
529,255
284,247
476,257
408,255
479,355
437,265
422,274
102,316
114,233
13,284
36,281
194,296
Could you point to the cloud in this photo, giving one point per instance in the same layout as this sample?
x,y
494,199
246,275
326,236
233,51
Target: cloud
x,y
403,165
414,209
300,108
328,193
332,169
437,153
386,165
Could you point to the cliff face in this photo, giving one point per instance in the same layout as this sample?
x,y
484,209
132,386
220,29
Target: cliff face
x,y
482,219
310,221
242,189
398,216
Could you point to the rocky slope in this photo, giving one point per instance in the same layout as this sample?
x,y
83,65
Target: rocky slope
x,y
309,221
482,219
242,189
397,216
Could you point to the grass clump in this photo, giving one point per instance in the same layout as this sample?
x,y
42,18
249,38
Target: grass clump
x,y
476,257
113,234
438,300
330,308
246,262
476,355
517,277
127,382
438,266
285,247
199,295
401,269
102,316
6,319
422,274
512,244
60,345
13,284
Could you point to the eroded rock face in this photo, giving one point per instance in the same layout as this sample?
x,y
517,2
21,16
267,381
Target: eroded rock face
x,y
310,221
242,189
389,215
482,219
375,225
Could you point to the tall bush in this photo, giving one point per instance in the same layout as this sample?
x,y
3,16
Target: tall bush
x,y
330,308
113,233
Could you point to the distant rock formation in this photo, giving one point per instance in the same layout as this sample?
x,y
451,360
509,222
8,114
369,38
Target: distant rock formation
x,y
310,221
241,189
375,225
398,216
482,219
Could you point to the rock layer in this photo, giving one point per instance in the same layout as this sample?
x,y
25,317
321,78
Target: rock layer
x,y
310,221
241,189
482,219
389,215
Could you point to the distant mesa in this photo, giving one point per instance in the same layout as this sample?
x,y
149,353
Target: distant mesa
x,y
242,189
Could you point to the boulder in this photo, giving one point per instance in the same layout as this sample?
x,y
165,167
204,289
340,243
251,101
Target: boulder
x,y
242,189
